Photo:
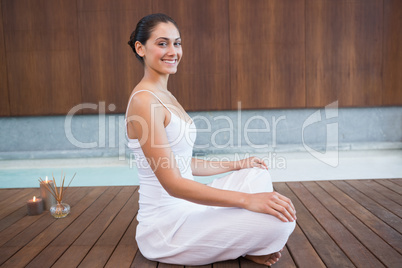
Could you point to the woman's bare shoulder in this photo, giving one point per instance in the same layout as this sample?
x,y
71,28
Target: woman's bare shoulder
x,y
142,97
141,101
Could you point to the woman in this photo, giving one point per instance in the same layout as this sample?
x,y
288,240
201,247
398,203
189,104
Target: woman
x,y
182,221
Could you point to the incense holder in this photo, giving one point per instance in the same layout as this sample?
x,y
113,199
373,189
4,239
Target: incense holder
x,y
60,210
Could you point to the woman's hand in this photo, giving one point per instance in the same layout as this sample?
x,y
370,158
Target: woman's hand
x,y
252,162
272,203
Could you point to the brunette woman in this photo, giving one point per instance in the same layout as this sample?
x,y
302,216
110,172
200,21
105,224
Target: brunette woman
x,y
182,221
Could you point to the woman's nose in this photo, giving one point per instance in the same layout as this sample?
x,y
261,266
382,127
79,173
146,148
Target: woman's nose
x,y
171,49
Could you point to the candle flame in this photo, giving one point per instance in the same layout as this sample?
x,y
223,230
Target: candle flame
x,y
46,179
34,198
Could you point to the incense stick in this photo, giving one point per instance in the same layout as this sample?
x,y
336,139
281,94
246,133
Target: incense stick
x,y
57,192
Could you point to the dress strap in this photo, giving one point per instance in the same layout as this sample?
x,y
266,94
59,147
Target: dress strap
x,y
129,102
128,105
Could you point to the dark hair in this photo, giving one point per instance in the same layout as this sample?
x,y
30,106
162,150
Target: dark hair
x,y
144,28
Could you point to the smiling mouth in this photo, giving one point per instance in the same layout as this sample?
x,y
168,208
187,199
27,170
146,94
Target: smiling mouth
x,y
170,61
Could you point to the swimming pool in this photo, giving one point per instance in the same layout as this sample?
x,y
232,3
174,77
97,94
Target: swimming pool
x,y
89,172
296,166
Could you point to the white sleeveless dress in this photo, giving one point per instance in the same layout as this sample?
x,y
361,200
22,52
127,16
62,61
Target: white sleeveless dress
x,y
177,231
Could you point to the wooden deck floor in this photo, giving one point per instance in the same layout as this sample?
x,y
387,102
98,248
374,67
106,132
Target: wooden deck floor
x,y
340,224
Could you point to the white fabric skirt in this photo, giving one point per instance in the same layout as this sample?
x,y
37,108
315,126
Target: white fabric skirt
x,y
192,234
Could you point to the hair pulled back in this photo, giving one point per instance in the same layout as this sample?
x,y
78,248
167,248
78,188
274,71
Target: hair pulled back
x,y
144,29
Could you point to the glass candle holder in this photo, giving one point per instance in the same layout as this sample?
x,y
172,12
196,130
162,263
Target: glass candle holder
x,y
60,210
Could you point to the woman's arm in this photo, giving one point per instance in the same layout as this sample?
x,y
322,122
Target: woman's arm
x,y
155,146
202,167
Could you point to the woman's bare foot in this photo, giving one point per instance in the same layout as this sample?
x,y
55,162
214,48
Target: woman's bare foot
x,y
266,259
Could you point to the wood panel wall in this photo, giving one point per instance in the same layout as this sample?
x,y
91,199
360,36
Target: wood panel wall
x,y
392,51
264,53
4,99
267,53
109,69
41,41
204,27
343,52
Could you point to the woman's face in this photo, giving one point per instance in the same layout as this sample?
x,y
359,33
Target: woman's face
x,y
162,51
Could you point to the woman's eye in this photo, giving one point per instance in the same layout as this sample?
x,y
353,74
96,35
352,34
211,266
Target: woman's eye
x,y
163,44
177,44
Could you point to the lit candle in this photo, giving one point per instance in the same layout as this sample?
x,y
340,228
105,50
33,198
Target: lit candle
x,y
48,198
35,206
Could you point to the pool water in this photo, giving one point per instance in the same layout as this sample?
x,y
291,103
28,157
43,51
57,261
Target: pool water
x,y
297,166
89,172
105,176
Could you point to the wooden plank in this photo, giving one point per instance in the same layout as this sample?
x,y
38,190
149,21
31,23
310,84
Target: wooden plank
x,y
357,253
12,230
9,204
382,229
381,212
15,202
4,100
227,264
109,69
346,203
6,193
392,53
267,54
397,181
323,244
343,52
17,251
90,206
43,65
12,218
125,251
376,195
20,225
200,266
202,81
165,265
383,251
390,184
81,246
140,261
107,242
302,251
385,191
